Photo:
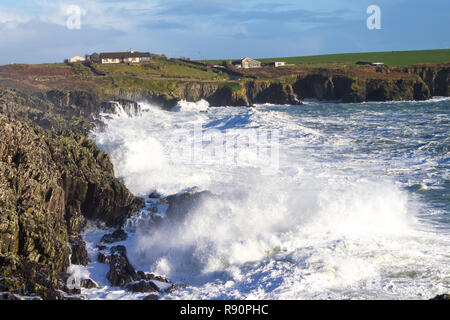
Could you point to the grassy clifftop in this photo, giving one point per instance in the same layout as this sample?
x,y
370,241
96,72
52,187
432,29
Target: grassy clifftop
x,y
392,58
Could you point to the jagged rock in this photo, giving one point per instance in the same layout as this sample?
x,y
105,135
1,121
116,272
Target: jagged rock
x,y
442,297
142,286
116,236
151,297
327,85
161,279
60,294
88,284
50,185
103,258
121,271
24,277
270,92
143,276
150,276
154,195
79,255
181,204
175,287
128,107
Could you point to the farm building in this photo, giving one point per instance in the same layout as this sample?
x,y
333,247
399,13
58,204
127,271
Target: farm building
x,y
247,63
277,64
124,57
77,59
366,63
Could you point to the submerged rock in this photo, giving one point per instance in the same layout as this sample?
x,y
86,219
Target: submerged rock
x,y
89,284
142,286
116,236
151,297
175,287
181,204
154,195
103,258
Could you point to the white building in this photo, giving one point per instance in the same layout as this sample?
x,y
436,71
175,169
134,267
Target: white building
x,y
247,63
124,57
77,59
279,64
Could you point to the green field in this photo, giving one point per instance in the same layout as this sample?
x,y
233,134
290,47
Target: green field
x,y
165,68
393,58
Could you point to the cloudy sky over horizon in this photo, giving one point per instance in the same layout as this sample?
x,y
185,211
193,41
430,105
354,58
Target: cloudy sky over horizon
x,y
36,31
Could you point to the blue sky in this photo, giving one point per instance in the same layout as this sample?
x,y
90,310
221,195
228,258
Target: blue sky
x,y
35,31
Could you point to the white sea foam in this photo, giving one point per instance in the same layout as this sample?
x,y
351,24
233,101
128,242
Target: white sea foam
x,y
331,223
186,106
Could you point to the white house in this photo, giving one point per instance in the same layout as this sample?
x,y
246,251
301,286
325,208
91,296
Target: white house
x,y
124,57
247,63
77,59
279,64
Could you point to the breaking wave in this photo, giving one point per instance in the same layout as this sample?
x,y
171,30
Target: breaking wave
x,y
335,220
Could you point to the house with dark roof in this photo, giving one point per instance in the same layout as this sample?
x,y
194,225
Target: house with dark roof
x,y
124,57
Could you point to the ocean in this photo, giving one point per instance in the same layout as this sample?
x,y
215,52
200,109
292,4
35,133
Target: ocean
x,y
325,200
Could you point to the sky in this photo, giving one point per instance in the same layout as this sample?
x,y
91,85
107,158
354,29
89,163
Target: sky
x,y
40,31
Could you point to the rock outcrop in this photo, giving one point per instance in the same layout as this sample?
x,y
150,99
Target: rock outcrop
x,y
50,185
436,77
128,107
121,272
327,86
182,204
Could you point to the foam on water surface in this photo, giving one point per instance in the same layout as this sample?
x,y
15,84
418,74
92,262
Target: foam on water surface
x,y
340,218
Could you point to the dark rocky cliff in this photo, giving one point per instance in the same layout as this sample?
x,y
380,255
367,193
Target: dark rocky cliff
x,y
347,89
436,77
50,185
389,84
423,83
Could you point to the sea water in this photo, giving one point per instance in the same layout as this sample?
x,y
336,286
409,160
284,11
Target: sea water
x,y
356,204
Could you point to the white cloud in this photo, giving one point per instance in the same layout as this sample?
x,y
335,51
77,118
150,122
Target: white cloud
x,y
11,17
101,14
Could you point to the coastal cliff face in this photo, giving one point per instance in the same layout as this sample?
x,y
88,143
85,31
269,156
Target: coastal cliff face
x,y
329,87
77,108
50,185
437,78
390,84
